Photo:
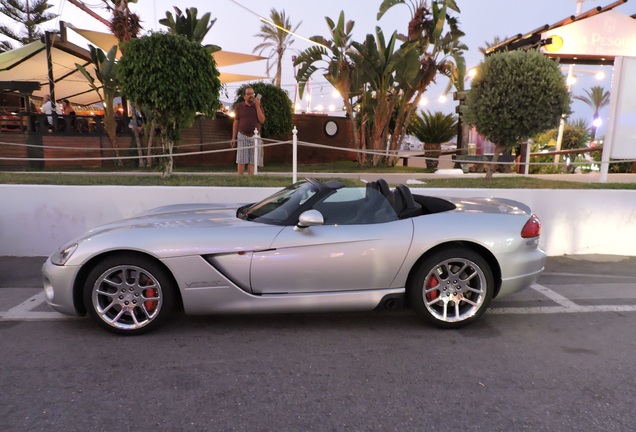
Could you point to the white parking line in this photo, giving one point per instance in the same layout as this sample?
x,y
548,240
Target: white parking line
x,y
24,311
555,297
566,306
560,309
584,275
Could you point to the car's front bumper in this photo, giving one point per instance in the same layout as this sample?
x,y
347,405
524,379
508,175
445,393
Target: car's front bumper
x,y
58,287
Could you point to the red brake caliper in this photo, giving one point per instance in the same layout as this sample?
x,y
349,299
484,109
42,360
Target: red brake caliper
x,y
432,282
150,305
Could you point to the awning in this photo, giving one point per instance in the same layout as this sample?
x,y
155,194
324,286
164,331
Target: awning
x,y
28,63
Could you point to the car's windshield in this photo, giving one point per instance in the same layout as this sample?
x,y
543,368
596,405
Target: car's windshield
x,y
278,207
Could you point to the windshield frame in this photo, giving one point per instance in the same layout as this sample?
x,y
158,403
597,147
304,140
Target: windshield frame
x,y
285,206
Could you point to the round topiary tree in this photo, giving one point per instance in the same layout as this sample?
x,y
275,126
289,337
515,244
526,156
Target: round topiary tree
x,y
277,106
175,78
514,96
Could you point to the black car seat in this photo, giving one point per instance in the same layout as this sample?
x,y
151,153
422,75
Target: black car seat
x,y
383,187
383,213
404,204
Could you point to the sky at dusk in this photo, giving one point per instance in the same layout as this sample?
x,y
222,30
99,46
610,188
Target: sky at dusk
x,y
236,27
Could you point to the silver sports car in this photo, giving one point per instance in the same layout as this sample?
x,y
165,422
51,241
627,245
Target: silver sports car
x,y
311,247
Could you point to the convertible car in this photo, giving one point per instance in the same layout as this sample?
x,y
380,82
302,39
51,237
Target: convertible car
x,y
311,247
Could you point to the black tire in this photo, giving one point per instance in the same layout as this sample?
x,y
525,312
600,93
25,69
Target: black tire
x,y
451,288
130,305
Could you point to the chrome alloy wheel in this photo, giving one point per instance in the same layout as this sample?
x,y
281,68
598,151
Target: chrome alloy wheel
x,y
454,290
127,297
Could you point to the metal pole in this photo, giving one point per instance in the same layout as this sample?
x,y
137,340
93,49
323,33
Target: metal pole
x,y
256,155
560,134
49,64
609,135
294,155
526,168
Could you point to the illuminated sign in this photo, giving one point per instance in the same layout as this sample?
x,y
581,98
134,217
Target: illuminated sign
x,y
608,34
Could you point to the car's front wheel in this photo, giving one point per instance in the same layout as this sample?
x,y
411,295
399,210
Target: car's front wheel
x,y
451,288
128,294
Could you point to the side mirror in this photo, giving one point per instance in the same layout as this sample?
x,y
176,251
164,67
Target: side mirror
x,y
310,218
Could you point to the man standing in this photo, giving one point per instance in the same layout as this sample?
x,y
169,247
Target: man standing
x,y
249,115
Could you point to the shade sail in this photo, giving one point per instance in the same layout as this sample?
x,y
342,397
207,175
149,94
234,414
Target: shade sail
x,y
229,58
229,77
105,41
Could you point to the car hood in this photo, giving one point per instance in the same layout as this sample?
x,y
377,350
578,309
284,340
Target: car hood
x,y
178,216
180,230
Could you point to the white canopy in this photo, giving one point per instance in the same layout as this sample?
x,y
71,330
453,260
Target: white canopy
x,y
28,63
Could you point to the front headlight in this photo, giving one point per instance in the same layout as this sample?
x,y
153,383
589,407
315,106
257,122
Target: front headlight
x,y
63,254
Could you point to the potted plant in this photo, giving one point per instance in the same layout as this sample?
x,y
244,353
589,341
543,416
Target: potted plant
x,y
433,129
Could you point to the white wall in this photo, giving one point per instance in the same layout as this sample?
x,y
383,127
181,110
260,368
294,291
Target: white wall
x,y
35,220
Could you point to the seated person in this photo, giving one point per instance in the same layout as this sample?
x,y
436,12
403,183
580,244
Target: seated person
x,y
69,113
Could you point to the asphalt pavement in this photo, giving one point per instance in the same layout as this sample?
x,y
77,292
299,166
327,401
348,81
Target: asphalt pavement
x,y
558,356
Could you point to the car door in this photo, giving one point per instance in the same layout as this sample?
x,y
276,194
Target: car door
x,y
332,258
346,253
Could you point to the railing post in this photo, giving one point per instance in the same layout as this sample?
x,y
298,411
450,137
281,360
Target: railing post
x,y
294,155
526,162
256,155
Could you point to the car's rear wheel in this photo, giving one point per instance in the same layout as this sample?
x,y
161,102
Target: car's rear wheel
x,y
451,288
128,294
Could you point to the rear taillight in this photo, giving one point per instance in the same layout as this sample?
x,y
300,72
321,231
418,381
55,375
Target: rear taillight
x,y
532,228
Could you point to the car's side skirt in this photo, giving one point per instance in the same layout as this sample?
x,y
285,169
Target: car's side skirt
x,y
233,300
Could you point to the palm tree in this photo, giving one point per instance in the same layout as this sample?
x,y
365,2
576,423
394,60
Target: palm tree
x,y
277,38
437,52
384,70
596,99
124,23
106,85
188,25
339,70
433,129
29,14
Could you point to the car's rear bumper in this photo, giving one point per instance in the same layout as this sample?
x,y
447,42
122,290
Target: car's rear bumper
x,y
522,273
